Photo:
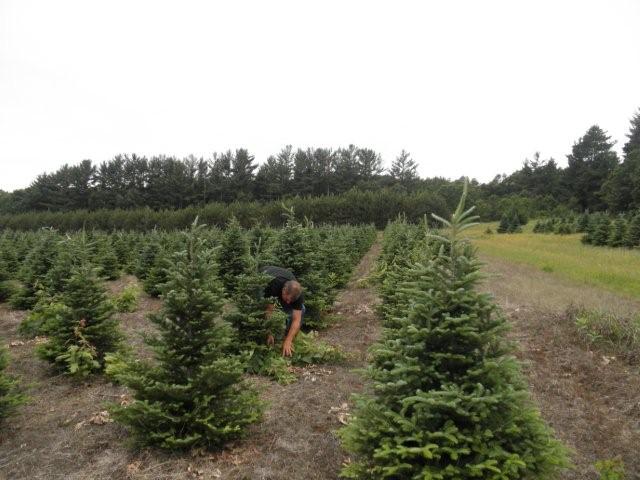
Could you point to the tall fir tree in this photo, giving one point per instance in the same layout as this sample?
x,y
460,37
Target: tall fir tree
x,y
403,169
193,394
590,163
633,142
449,400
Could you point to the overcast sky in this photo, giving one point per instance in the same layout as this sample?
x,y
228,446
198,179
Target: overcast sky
x,y
468,87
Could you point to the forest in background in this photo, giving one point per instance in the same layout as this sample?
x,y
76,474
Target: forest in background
x,y
318,181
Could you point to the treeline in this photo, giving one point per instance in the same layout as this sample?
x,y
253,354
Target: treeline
x,y
596,179
354,207
162,182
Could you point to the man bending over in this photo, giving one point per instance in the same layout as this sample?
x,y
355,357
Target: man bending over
x,y
288,291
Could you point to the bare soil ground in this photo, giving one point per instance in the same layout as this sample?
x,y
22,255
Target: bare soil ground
x,y
591,400
61,433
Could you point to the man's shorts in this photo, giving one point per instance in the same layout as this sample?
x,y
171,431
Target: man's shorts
x,y
290,319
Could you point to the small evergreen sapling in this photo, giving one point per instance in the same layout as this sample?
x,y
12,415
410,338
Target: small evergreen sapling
x,y
193,394
10,397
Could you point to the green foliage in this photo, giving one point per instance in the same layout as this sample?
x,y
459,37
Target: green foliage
x,y
34,270
617,334
80,359
233,255
252,327
632,238
107,261
611,469
87,322
449,400
618,233
10,396
127,301
308,349
46,312
193,394
156,276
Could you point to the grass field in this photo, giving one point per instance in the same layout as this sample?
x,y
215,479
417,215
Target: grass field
x,y
615,269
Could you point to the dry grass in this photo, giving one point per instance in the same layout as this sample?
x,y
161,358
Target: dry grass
x,y
613,269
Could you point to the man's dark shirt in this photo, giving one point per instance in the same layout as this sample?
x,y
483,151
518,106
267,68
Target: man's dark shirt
x,y
274,288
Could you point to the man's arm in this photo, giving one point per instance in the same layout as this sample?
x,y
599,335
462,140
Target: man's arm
x,y
296,321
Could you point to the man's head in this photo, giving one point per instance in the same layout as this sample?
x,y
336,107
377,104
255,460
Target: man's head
x,y
291,291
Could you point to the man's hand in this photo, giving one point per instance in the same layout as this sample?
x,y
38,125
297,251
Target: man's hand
x,y
287,347
270,339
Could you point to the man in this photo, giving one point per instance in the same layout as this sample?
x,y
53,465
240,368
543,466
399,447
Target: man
x,y
288,291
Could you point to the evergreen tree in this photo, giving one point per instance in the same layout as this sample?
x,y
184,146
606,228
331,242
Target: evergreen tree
x,y
583,223
242,174
33,272
10,397
634,135
147,257
253,328
600,236
450,401
107,261
617,233
291,248
590,163
7,287
403,169
233,255
192,396
632,238
80,337
505,224
155,278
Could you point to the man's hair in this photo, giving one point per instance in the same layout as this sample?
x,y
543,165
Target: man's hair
x,y
293,288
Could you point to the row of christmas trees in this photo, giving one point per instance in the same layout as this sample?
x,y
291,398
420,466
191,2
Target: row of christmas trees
x,y
448,400
321,256
599,229
196,343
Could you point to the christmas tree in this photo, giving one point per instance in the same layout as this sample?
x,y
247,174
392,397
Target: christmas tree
x,y
450,401
632,238
34,270
156,276
10,397
233,255
618,232
253,328
193,394
82,333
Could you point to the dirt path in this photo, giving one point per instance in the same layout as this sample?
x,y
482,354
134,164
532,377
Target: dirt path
x,y
57,435
591,401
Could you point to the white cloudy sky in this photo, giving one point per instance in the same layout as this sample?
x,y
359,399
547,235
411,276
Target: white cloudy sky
x,y
468,87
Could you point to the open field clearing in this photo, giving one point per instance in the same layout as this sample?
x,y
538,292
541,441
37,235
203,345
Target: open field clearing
x,y
615,270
